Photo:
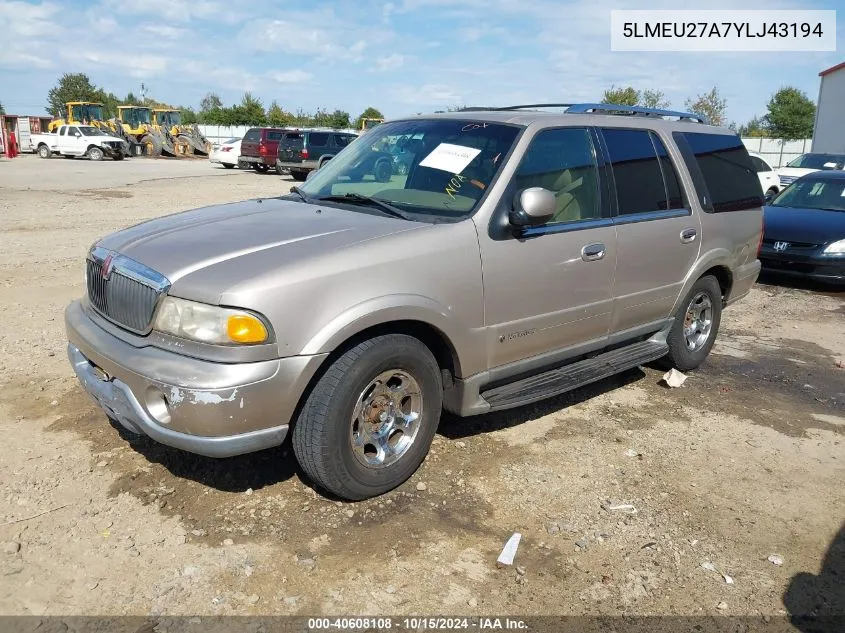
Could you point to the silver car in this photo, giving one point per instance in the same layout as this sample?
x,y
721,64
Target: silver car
x,y
523,253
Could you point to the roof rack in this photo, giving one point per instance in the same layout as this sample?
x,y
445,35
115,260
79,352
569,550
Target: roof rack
x,y
599,108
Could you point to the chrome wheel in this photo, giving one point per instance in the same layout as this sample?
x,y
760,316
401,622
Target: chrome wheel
x,y
386,418
698,321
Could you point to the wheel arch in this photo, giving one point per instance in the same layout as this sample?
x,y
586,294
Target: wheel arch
x,y
716,263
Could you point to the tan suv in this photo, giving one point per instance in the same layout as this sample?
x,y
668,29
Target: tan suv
x,y
523,253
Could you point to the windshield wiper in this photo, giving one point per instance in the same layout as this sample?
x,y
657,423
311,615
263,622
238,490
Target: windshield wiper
x,y
386,207
298,192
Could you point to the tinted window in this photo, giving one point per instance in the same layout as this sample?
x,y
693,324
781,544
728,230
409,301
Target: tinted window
x,y
253,135
274,135
318,139
727,180
670,175
563,161
816,193
819,161
342,140
759,163
636,170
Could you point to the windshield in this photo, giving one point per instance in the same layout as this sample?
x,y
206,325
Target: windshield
x,y
136,116
87,113
169,119
819,161
90,130
436,168
813,194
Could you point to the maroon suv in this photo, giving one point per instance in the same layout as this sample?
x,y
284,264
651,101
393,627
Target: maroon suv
x,y
259,148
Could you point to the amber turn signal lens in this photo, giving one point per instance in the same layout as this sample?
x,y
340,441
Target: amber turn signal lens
x,y
244,328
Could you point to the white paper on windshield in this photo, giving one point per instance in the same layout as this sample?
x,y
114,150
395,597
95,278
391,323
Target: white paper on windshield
x,y
830,165
451,158
843,193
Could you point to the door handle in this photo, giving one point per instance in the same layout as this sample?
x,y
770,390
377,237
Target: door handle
x,y
592,252
688,235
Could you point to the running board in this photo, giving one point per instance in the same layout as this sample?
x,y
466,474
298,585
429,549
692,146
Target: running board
x,y
569,377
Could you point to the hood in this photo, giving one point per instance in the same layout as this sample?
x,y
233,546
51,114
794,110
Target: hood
x,y
811,226
226,237
106,137
795,172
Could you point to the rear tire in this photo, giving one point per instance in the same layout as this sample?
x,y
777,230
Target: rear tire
x,y
44,152
696,325
261,168
368,423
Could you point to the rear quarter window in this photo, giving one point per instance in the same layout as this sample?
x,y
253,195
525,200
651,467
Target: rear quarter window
x,y
253,135
725,177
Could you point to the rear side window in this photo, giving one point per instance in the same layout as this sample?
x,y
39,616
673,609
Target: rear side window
x,y
759,163
342,140
253,135
318,139
274,135
725,177
636,170
674,193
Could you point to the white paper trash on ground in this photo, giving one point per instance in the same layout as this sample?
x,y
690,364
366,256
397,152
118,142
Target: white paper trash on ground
x,y
509,550
674,378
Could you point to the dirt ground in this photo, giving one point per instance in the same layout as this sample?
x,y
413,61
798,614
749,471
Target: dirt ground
x,y
743,461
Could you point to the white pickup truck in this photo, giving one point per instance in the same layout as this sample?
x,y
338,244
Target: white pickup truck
x,y
79,140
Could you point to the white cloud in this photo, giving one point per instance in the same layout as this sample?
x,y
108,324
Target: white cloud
x,y
325,39
290,76
391,62
427,95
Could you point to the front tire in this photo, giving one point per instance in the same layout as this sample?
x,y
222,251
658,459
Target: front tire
x,y
368,423
95,153
696,325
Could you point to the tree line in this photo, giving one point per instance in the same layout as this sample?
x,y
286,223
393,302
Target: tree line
x,y
211,111
790,114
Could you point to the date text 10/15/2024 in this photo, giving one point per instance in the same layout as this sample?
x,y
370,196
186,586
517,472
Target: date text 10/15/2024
x,y
416,624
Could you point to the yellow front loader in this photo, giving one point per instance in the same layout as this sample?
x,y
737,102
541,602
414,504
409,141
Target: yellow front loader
x,y
187,136
137,123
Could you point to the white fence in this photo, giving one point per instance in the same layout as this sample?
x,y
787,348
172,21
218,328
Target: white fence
x,y
222,133
778,152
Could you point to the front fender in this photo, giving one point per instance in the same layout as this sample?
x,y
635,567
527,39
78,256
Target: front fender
x,y
466,342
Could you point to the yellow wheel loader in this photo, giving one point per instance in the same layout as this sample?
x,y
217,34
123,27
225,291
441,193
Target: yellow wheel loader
x,y
366,124
136,122
187,136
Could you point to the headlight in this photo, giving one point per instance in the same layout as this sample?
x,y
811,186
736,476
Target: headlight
x,y
209,324
837,248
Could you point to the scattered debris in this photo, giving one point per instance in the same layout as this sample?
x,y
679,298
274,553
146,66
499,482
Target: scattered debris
x,y
390,589
473,603
722,606
92,585
253,599
674,378
350,513
35,516
227,542
509,550
840,364
632,453
520,570
248,491
775,559
12,547
308,562
711,567
421,486
553,528
582,543
616,506
649,545
461,444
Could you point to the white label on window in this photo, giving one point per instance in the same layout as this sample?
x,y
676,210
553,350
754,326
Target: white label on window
x,y
451,158
830,165
843,193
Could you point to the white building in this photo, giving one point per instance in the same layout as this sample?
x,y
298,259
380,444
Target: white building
x,y
829,130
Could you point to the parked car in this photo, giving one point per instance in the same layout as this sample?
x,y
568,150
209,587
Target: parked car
x,y
79,140
804,228
300,151
259,148
524,254
226,153
769,180
808,163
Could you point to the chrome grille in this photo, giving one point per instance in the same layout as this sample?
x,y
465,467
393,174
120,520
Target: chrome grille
x,y
123,297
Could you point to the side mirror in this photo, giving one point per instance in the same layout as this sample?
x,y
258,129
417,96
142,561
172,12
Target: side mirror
x,y
532,207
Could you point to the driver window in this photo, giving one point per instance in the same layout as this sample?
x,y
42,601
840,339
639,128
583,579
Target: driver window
x,y
73,131
563,161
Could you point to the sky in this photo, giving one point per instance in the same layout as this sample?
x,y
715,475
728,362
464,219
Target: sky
x,y
400,56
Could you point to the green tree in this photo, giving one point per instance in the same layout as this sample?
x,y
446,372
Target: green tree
x,y
277,117
654,99
250,111
210,102
791,114
338,119
756,127
130,99
72,87
2,109
189,117
621,96
369,113
709,104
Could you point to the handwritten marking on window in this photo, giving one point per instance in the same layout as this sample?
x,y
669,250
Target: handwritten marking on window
x,y
473,126
455,185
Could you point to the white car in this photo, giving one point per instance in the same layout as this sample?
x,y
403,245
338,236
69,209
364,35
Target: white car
x,y
227,153
807,164
769,180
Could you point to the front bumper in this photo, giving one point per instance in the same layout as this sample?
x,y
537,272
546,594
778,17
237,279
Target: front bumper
x,y
806,266
208,408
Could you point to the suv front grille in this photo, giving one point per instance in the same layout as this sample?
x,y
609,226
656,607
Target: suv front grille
x,y
128,295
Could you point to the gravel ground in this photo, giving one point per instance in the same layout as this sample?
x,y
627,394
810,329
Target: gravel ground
x,y
739,467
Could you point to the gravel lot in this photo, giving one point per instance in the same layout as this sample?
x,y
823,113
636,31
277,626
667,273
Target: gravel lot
x,y
744,461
